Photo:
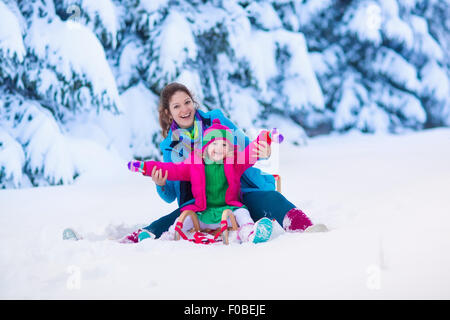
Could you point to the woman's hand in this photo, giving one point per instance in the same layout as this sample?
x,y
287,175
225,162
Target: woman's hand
x,y
158,177
263,149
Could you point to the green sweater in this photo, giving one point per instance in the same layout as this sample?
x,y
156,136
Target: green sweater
x,y
216,187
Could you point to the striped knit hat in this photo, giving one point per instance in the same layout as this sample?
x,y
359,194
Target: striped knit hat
x,y
216,132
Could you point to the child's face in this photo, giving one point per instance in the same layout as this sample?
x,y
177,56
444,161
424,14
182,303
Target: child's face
x,y
218,150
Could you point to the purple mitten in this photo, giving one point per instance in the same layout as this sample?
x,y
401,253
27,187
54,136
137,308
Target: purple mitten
x,y
136,166
276,136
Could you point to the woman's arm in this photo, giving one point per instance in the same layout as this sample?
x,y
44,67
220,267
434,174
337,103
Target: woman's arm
x,y
167,192
165,189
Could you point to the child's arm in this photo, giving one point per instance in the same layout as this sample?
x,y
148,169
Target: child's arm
x,y
166,192
249,156
175,171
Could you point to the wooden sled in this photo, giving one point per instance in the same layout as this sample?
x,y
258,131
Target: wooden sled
x,y
223,230
278,182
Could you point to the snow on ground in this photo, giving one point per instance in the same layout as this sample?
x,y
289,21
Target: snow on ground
x,y
385,199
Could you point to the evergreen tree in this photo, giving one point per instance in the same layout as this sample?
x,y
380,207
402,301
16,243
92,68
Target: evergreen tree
x,y
379,65
80,74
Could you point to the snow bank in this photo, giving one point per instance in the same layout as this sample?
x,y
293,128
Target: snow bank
x,y
12,160
383,197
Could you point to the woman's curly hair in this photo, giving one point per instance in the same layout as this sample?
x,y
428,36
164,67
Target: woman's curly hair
x,y
165,119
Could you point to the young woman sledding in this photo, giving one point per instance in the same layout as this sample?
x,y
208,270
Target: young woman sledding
x,y
181,123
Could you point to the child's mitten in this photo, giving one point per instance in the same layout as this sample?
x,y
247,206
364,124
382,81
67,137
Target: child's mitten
x,y
136,166
271,136
276,136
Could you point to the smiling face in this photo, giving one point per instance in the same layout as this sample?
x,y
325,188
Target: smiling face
x,y
182,109
218,150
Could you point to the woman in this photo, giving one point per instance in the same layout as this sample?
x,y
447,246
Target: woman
x,y
182,125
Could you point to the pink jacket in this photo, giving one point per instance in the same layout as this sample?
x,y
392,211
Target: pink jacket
x,y
193,170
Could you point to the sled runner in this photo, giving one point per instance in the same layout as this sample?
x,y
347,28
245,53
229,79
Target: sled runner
x,y
201,236
278,182
204,236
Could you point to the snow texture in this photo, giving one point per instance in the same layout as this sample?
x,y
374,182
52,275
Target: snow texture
x,y
383,197
11,42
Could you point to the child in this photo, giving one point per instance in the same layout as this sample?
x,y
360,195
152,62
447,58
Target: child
x,y
215,173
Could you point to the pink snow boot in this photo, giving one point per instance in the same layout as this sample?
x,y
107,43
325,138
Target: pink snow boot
x,y
131,238
296,221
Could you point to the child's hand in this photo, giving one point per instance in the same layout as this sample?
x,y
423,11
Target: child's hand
x,y
262,150
136,166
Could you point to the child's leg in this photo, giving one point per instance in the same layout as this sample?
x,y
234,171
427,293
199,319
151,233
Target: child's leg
x,y
250,231
245,223
242,217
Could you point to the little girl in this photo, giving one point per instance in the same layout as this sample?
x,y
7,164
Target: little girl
x,y
214,173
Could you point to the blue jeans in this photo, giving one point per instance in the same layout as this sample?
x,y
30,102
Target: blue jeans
x,y
270,204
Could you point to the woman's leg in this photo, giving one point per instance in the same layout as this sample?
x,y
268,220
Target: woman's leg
x,y
274,205
163,224
270,204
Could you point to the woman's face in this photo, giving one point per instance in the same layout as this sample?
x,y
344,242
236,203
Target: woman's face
x,y
218,150
182,110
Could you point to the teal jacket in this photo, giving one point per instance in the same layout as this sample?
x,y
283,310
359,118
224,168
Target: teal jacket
x,y
253,179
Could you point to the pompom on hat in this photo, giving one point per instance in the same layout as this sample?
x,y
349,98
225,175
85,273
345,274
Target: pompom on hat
x,y
217,132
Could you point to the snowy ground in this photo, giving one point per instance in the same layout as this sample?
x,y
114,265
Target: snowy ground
x,y
385,199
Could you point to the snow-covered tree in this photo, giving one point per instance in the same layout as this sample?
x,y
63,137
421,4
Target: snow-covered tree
x,y
49,78
73,71
380,56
